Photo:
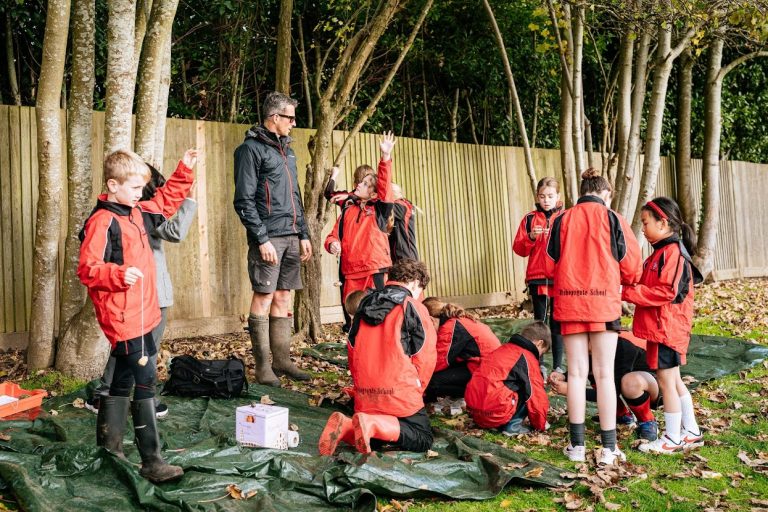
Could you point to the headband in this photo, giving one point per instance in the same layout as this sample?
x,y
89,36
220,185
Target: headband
x,y
656,208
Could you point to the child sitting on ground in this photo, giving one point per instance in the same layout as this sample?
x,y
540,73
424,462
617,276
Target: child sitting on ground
x,y
508,386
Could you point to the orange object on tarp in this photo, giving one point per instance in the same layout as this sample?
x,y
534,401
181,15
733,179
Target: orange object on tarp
x,y
25,399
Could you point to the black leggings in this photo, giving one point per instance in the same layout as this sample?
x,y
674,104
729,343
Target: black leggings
x,y
449,382
543,306
415,434
128,371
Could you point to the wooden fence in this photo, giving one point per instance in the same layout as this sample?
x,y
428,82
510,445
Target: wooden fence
x,y
473,198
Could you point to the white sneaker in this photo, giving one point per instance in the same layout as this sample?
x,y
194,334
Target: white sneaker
x,y
575,453
663,445
691,440
609,457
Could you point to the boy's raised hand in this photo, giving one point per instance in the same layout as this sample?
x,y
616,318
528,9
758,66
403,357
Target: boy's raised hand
x,y
386,144
190,158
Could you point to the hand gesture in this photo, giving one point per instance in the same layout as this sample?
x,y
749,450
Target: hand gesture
x,y
386,143
306,250
268,253
335,172
132,274
190,158
335,248
536,232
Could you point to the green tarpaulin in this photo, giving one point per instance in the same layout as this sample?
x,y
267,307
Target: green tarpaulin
x,y
52,463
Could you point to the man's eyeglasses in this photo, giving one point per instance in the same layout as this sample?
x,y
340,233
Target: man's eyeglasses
x,y
290,118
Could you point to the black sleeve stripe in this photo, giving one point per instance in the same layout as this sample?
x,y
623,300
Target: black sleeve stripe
x,y
618,242
528,223
383,213
553,247
413,335
519,381
683,285
459,342
662,262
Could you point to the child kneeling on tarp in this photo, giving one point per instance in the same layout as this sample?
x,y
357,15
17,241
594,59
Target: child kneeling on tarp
x,y
391,351
508,385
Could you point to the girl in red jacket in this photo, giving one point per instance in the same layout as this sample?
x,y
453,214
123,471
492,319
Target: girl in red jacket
x,y
462,342
360,236
595,252
531,242
664,313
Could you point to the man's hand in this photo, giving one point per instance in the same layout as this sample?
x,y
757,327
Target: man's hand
x,y
306,250
268,253
335,248
132,274
386,143
190,158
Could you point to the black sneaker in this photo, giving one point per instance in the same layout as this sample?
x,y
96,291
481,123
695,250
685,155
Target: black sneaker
x,y
161,410
92,404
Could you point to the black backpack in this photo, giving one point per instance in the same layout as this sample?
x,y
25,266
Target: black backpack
x,y
221,378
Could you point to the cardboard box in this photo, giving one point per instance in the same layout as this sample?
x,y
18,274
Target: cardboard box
x,y
262,425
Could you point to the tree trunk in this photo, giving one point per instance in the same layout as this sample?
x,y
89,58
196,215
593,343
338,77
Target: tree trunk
x,y
150,77
305,76
40,352
283,67
624,115
665,59
455,115
471,114
411,110
143,12
683,140
11,59
626,180
162,103
535,126
515,99
577,24
120,85
565,126
426,101
343,77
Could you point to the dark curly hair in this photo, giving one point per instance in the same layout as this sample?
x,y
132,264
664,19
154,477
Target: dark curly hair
x,y
405,271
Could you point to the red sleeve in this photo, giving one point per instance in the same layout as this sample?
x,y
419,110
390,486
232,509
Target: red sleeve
x,y
333,236
631,266
424,359
92,270
538,402
170,196
384,181
660,293
443,345
523,245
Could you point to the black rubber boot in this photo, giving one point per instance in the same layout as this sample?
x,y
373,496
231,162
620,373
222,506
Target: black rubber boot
x,y
110,423
153,467
280,342
259,328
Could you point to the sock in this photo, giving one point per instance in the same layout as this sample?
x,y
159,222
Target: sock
x,y
641,406
577,434
689,418
608,439
672,421
621,409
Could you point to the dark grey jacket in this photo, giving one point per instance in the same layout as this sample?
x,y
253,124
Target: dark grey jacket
x,y
267,196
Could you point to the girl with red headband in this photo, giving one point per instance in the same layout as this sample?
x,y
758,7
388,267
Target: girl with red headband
x,y
663,316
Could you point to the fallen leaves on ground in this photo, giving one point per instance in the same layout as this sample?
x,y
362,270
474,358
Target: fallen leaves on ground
x,y
238,494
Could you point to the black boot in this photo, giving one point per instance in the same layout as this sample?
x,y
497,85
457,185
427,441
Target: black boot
x,y
110,423
280,343
259,328
153,467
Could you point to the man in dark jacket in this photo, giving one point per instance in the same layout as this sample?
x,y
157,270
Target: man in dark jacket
x,y
268,202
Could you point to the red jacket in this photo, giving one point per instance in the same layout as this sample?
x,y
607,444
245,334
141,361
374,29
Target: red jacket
x,y
391,351
595,252
664,297
115,238
540,267
509,378
362,230
464,341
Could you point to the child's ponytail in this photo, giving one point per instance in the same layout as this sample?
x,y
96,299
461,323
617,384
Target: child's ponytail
x,y
440,309
688,237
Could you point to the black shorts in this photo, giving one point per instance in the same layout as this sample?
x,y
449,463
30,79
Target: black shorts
x,y
667,358
286,275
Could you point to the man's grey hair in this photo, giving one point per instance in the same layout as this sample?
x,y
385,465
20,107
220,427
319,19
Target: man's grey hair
x,y
275,103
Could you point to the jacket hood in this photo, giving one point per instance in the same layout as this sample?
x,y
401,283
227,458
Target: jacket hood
x,y
698,278
525,344
259,132
377,305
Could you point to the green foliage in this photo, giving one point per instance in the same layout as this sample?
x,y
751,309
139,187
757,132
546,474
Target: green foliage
x,y
53,381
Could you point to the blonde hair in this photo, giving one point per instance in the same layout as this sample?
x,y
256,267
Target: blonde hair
x,y
548,181
438,308
122,164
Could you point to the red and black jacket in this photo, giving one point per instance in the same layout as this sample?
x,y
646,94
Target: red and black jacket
x,y
391,351
540,267
506,380
664,297
114,238
595,252
362,230
463,341
402,240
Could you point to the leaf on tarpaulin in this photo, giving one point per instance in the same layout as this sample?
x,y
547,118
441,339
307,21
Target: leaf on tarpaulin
x,y
79,403
4,437
431,454
535,472
238,494
266,400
